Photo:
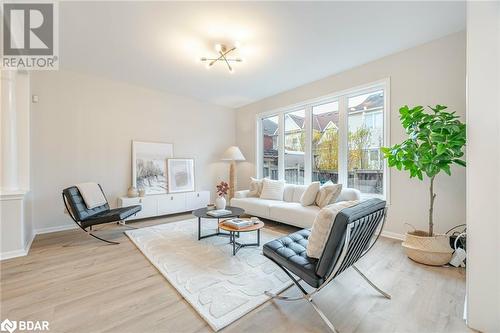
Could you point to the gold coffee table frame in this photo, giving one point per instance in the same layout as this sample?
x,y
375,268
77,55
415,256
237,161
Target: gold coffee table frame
x,y
233,231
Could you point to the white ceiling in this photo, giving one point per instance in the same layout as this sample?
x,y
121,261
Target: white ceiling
x,y
284,44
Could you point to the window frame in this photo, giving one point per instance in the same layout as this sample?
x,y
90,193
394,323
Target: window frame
x,y
307,105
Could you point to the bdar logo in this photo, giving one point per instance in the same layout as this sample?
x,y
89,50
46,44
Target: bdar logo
x,y
8,325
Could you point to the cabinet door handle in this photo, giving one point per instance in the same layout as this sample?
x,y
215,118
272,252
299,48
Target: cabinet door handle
x,y
198,195
171,198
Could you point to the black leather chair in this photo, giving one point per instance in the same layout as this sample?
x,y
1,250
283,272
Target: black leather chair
x,y
353,234
86,218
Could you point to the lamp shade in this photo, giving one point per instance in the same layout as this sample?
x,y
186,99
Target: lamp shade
x,y
233,153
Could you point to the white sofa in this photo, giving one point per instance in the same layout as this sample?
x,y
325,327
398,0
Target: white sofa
x,y
289,210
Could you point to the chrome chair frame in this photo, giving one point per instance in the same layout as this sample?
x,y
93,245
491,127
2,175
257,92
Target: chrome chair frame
x,y
339,267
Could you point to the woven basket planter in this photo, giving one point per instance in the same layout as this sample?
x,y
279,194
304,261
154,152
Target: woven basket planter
x,y
433,251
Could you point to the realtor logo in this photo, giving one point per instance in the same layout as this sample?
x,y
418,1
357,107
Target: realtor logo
x,y
30,35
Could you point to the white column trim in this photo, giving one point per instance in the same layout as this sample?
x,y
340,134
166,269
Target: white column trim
x,y
9,171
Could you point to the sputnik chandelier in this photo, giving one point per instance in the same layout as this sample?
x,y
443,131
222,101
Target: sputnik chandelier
x,y
223,53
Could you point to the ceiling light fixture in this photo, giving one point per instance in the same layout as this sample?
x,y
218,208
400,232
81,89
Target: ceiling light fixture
x,y
223,51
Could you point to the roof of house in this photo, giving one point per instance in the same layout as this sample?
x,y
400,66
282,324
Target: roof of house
x,y
269,127
320,121
371,102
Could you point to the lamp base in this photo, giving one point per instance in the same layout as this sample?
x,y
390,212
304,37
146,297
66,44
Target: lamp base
x,y
232,179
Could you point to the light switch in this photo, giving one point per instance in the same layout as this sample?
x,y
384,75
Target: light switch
x,y
34,98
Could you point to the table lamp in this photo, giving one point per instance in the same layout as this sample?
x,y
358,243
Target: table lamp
x,y
232,154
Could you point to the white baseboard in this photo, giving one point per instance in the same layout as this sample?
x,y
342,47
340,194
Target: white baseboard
x,y
55,229
13,254
392,235
18,253
28,245
25,251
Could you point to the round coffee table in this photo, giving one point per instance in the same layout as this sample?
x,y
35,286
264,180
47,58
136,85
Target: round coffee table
x,y
202,214
232,234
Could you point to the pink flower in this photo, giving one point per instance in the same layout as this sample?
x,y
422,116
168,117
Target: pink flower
x,y
222,188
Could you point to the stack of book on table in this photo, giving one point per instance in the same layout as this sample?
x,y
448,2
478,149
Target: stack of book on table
x,y
219,212
238,223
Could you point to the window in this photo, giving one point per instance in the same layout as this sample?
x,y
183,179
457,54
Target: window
x,y
365,137
270,147
325,142
336,138
294,146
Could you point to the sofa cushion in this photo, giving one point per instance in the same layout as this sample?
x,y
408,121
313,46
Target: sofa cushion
x,y
293,213
298,191
255,187
349,194
272,189
253,206
288,192
309,196
328,194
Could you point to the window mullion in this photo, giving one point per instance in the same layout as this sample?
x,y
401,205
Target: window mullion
x,y
308,145
281,146
259,149
343,142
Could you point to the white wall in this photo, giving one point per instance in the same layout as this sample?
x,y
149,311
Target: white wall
x,y
83,127
483,163
433,73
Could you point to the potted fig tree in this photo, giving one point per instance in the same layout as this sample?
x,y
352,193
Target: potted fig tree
x,y
436,140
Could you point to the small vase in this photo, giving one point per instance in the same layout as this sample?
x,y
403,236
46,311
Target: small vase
x,y
132,192
220,203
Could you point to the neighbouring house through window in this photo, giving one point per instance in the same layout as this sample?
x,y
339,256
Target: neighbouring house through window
x,y
336,138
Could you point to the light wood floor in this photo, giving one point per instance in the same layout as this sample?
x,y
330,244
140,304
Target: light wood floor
x,y
82,285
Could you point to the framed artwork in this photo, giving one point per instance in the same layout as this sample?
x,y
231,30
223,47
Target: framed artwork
x,y
149,166
180,175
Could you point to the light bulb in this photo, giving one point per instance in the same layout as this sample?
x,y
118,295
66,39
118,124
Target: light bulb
x,y
237,44
218,47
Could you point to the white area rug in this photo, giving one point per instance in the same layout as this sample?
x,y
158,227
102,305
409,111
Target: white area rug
x,y
220,286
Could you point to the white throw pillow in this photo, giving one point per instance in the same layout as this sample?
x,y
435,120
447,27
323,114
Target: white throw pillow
x,y
255,187
272,189
328,194
322,226
309,195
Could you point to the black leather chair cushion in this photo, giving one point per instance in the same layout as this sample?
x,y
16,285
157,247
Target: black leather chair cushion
x,y
78,206
290,251
112,215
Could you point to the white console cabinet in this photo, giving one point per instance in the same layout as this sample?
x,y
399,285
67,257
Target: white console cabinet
x,y
164,204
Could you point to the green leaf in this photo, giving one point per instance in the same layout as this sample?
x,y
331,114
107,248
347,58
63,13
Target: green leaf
x,y
440,149
446,169
436,139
